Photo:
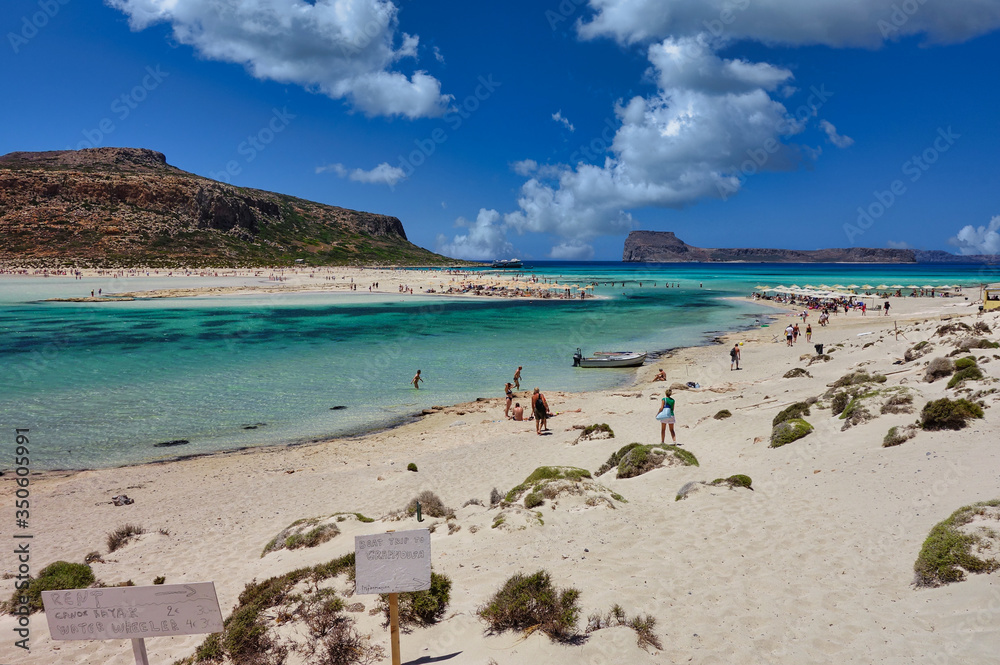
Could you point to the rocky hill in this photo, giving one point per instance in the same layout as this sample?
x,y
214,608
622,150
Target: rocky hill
x,y
665,247
127,206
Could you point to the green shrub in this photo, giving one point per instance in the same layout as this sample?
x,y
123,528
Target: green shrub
x,y
411,467
839,402
898,403
527,601
602,428
796,372
160,579
544,473
796,410
723,414
738,480
122,535
947,553
968,374
420,608
616,458
533,500
857,378
965,363
788,431
948,414
898,435
55,576
938,369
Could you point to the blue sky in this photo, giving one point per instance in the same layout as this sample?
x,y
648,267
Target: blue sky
x,y
545,129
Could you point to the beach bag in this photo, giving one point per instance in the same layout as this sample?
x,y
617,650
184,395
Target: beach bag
x,y
666,413
732,353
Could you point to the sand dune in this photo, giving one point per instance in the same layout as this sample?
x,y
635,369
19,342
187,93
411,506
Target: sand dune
x,y
814,565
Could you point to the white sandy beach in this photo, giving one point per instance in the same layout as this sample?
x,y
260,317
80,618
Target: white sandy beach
x,y
815,565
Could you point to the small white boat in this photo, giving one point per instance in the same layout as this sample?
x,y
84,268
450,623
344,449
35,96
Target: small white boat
x,y
610,359
505,264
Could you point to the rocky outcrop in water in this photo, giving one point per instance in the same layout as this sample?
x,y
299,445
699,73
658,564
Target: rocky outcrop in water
x,y
665,247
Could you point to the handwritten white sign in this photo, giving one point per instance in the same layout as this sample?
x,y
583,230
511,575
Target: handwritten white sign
x,y
130,612
393,562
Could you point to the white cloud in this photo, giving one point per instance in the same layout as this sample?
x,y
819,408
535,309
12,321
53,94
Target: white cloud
x,y
572,251
978,239
837,23
558,117
345,49
383,174
525,167
836,139
438,56
486,239
899,244
711,124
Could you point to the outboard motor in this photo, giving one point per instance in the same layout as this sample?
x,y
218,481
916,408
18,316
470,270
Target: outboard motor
x,y
577,357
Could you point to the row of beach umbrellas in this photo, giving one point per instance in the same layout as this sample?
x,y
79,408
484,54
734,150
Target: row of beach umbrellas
x,y
827,287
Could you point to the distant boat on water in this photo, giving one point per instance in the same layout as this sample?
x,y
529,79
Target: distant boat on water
x,y
507,263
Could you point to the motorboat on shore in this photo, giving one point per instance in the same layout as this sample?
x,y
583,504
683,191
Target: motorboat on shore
x,y
610,359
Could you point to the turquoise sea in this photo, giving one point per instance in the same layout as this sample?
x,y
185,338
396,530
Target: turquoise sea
x,y
100,385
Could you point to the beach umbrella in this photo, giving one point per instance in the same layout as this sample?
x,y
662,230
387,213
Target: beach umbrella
x,y
927,286
853,286
913,286
780,287
882,286
897,286
760,287
867,286
794,286
839,286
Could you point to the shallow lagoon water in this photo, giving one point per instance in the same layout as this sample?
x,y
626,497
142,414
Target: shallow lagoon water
x,y
100,384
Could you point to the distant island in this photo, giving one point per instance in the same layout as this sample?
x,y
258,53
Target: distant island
x,y
108,207
665,247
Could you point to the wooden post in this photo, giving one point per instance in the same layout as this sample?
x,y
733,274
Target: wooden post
x,y
139,651
394,627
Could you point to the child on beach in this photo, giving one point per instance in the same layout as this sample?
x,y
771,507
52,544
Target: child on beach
x,y
416,380
666,417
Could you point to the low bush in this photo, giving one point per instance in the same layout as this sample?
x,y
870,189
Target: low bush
x,y
738,480
525,601
431,505
950,328
947,553
796,410
616,458
981,327
965,363
308,532
636,459
602,430
938,369
58,575
420,608
542,474
789,431
898,435
121,536
642,625
533,500
411,466
857,378
948,414
796,372
839,402
898,403
968,374
723,414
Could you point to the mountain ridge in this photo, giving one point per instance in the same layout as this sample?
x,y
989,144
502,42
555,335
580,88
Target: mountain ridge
x,y
128,206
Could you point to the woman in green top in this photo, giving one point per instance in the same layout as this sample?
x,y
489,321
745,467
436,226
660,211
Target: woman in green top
x,y
666,417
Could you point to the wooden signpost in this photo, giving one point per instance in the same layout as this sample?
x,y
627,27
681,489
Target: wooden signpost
x,y
393,562
134,613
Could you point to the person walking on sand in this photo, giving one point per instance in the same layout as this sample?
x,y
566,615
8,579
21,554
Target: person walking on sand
x,y
517,378
788,334
886,308
795,333
734,357
666,417
510,398
809,332
540,408
416,380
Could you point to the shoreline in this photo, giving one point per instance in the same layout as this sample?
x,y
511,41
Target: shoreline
x,y
846,513
710,338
